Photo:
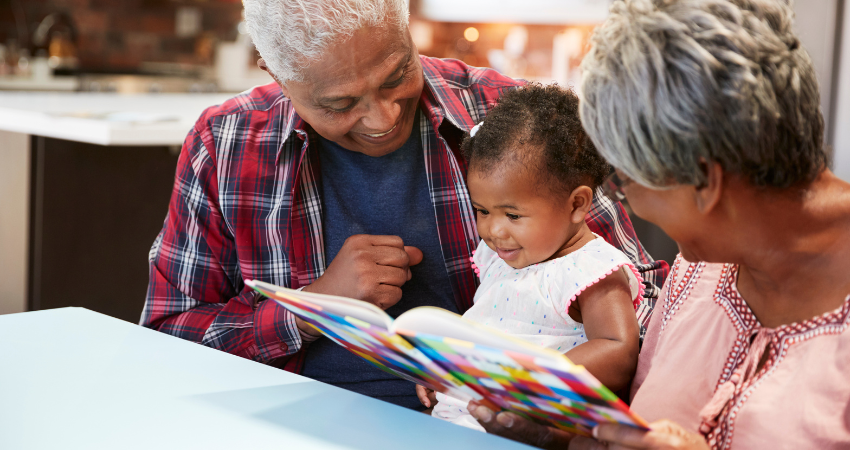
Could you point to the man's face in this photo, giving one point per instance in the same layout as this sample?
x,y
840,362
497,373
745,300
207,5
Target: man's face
x,y
362,93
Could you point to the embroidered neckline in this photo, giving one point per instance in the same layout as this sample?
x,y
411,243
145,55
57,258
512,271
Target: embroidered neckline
x,y
678,292
727,296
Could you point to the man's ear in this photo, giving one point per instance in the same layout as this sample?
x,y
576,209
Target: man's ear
x,y
708,195
580,202
261,63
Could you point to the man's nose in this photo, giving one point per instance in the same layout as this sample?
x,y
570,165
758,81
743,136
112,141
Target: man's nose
x,y
382,115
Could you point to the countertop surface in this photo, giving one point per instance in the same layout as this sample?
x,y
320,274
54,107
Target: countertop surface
x,y
75,379
105,118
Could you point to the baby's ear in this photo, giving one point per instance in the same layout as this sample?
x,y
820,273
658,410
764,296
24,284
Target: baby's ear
x,y
581,200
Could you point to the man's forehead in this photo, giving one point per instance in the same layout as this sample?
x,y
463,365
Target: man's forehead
x,y
370,52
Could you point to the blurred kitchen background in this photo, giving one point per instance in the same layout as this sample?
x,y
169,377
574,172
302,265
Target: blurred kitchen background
x,y
96,97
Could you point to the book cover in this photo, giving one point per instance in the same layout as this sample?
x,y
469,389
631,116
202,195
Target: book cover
x,y
536,383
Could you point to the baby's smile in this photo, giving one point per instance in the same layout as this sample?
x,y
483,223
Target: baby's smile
x,y
508,254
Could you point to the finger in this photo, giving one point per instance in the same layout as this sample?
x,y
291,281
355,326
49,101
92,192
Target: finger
x,y
389,256
383,240
385,295
583,443
393,276
533,433
487,418
432,396
414,254
622,434
423,396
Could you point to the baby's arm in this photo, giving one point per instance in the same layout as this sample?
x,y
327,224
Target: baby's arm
x,y
608,315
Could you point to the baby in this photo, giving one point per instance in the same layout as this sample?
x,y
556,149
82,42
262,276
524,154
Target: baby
x,y
545,277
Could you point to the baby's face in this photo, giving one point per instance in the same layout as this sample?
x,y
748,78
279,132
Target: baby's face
x,y
517,219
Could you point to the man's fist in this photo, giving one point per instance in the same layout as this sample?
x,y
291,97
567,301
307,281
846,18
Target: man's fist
x,y
369,268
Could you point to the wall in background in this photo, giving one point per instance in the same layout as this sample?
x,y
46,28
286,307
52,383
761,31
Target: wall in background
x,y
816,25
841,122
120,35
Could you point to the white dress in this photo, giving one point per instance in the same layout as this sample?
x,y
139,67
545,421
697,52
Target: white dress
x,y
532,303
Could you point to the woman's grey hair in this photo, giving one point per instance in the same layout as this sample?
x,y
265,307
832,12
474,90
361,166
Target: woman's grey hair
x,y
670,83
290,34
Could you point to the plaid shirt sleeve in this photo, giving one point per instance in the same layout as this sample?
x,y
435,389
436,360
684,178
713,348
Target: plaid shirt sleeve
x,y
196,290
610,221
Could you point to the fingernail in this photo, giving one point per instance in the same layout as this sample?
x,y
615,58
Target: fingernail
x,y
506,420
484,415
595,432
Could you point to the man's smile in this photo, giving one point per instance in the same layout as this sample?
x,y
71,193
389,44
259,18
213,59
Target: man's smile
x,y
377,135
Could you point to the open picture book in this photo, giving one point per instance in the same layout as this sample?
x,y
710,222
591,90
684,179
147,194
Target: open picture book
x,y
445,352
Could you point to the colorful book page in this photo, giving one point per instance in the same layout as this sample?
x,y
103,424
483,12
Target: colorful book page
x,y
553,391
388,351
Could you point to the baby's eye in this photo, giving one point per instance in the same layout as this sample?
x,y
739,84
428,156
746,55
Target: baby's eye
x,y
512,216
483,212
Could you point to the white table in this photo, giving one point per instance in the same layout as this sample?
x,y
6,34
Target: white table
x,y
71,378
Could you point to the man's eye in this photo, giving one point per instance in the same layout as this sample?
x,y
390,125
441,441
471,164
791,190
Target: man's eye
x,y
512,216
397,82
341,107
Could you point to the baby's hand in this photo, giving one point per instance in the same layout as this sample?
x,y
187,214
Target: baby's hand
x,y
427,396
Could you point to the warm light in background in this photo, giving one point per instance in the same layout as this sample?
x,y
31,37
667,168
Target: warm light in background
x,y
471,34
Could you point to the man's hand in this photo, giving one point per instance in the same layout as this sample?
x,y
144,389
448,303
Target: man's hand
x,y
427,397
663,435
514,427
369,268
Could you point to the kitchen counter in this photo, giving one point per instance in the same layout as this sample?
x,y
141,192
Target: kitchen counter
x,y
105,118
76,167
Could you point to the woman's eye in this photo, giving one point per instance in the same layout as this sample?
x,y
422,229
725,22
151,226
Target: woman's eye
x,y
512,216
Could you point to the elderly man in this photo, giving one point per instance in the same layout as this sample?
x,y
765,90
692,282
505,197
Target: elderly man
x,y
344,178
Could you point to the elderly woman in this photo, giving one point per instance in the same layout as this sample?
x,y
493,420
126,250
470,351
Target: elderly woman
x,y
708,109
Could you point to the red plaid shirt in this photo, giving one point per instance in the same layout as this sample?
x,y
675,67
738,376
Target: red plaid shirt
x,y
246,205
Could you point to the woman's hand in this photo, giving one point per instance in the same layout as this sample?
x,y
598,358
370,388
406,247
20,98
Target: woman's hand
x,y
663,435
512,426
427,397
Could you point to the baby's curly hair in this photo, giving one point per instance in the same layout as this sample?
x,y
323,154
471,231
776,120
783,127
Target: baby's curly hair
x,y
538,128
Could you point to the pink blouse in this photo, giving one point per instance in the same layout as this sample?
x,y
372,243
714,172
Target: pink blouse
x,y
697,368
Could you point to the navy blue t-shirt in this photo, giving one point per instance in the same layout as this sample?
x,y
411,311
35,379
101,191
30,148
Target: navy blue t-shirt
x,y
387,195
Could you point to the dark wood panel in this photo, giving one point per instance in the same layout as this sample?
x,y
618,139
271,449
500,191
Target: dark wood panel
x,y
96,212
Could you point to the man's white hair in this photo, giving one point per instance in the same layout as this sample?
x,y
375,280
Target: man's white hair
x,y
290,34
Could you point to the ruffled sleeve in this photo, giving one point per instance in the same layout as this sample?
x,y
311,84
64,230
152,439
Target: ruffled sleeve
x,y
574,273
483,259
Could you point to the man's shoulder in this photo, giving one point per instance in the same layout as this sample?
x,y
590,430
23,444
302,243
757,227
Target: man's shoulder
x,y
262,99
464,93
459,75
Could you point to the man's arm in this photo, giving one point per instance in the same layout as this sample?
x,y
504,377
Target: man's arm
x,y
196,290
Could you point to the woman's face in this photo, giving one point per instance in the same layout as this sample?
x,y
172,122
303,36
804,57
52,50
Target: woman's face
x,y
674,210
